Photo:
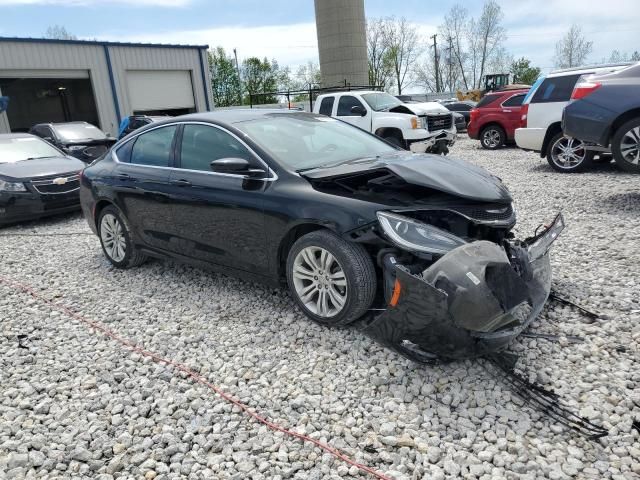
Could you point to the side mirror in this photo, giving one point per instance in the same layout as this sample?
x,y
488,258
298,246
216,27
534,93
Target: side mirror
x,y
359,110
238,166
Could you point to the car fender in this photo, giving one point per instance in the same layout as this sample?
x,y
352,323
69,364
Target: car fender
x,y
401,121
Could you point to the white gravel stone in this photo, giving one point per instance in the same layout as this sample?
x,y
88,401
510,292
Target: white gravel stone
x,y
74,404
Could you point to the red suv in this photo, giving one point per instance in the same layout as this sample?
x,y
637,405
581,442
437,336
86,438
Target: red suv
x,y
495,118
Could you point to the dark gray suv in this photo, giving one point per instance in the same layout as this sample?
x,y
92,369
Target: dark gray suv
x,y
605,111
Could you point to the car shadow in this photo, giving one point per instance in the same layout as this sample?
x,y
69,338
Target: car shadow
x,y
627,201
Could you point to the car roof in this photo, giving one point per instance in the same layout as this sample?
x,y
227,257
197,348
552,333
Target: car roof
x,y
515,91
17,135
54,124
589,69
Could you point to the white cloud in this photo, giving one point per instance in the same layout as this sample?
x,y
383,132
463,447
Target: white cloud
x,y
289,44
84,3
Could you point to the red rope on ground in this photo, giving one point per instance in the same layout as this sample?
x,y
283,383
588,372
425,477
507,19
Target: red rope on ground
x,y
194,375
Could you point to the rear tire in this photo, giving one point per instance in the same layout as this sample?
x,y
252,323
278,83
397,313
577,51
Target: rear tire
x,y
568,155
332,281
492,137
115,237
625,146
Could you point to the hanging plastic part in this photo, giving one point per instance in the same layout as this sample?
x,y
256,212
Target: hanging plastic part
x,y
546,401
558,298
196,377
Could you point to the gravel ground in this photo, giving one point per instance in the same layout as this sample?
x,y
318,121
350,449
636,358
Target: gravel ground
x,y
75,404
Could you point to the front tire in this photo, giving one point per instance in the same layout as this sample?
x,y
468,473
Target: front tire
x,y
568,155
625,146
333,281
492,137
115,238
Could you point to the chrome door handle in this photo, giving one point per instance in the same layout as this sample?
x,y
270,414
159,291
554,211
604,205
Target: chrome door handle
x,y
181,183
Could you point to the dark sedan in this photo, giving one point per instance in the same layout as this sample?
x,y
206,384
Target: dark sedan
x,y
462,108
36,179
351,223
82,140
605,111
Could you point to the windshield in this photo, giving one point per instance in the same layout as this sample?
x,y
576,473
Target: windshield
x,y
303,141
14,150
381,101
72,132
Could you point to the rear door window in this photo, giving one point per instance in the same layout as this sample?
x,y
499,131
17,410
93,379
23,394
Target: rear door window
x,y
555,89
345,104
326,106
154,148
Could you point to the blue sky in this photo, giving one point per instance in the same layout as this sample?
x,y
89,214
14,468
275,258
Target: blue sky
x,y
285,29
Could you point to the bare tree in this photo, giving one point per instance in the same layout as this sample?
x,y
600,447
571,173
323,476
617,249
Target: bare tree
x,y
454,32
58,32
380,69
487,36
401,40
573,49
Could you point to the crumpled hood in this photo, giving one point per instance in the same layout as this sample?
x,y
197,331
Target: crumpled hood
x,y
445,174
41,167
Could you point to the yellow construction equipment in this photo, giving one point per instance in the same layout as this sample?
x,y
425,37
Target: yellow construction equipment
x,y
492,83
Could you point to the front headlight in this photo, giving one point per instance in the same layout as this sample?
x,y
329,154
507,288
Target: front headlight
x,y
417,236
12,186
414,123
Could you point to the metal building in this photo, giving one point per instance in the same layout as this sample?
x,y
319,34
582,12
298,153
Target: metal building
x,y
342,42
99,82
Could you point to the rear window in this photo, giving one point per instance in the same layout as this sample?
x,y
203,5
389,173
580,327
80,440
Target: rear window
x,y
556,89
514,101
487,100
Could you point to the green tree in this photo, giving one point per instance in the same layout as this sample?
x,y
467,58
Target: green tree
x,y
522,71
260,76
224,78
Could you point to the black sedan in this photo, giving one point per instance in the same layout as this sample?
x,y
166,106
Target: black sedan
x,y
352,224
36,179
462,108
605,111
82,140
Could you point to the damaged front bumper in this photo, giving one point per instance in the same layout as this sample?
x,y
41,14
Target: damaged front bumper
x,y
438,143
474,300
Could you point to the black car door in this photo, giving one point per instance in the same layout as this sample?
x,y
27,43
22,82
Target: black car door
x,y
217,217
141,183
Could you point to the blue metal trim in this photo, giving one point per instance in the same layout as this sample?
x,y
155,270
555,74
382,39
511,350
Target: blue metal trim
x,y
204,82
113,85
96,42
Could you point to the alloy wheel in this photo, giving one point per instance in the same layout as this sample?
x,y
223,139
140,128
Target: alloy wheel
x,y
630,146
491,138
568,153
319,281
112,236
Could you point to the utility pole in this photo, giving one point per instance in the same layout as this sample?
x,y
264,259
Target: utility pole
x,y
435,56
235,54
450,64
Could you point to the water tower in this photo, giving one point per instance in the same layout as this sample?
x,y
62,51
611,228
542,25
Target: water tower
x,y
342,42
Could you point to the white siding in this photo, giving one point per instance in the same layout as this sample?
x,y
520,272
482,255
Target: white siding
x,y
48,58
60,56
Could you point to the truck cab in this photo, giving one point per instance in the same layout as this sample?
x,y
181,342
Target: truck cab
x,y
419,127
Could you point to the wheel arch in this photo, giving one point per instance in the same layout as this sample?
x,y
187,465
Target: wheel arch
x,y
389,131
552,130
287,241
621,120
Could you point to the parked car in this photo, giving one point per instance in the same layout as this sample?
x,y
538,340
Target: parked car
x,y
496,117
463,108
541,129
78,139
459,122
347,220
605,111
419,127
36,179
139,121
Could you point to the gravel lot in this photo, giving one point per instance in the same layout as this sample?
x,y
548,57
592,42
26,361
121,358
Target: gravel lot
x,y
76,404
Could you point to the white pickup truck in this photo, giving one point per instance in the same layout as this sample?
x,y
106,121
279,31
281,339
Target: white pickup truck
x,y
419,127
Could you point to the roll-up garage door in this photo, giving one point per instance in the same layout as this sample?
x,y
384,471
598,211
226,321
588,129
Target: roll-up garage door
x,y
160,90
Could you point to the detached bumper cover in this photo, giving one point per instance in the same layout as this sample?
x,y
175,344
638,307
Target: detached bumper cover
x,y
474,300
423,145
